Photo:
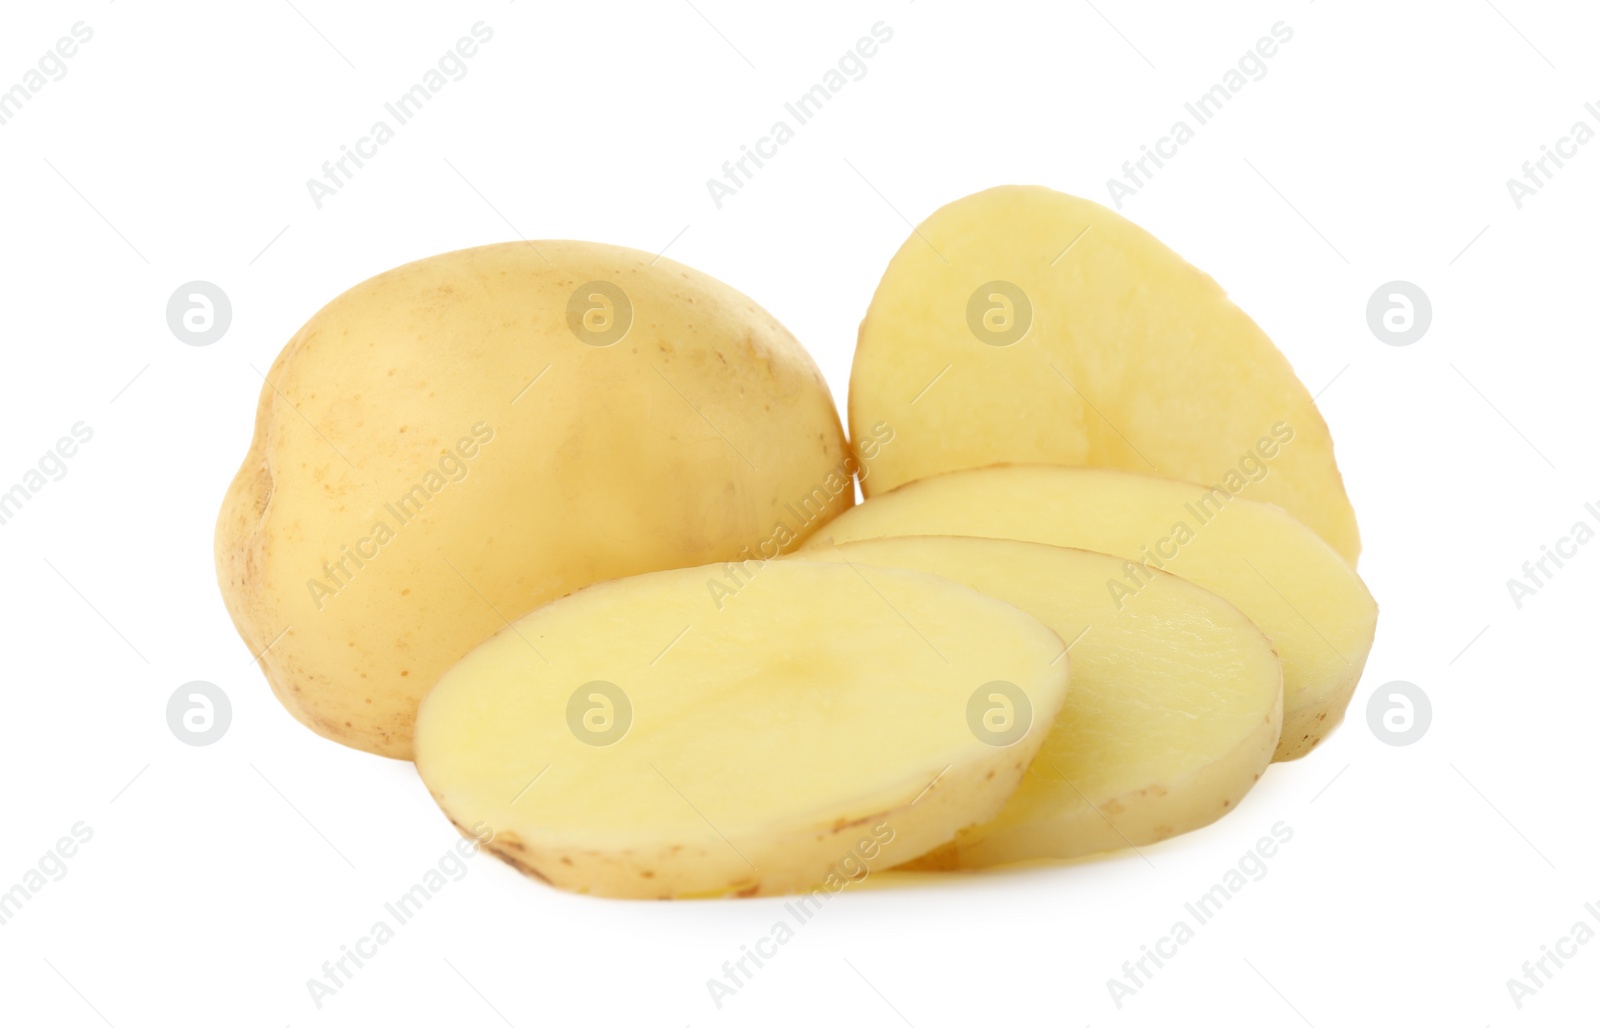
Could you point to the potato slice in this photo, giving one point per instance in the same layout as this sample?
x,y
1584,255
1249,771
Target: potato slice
x,y
658,737
1302,594
1020,325
1173,714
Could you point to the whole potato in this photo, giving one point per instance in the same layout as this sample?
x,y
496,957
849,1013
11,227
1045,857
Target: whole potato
x,y
459,440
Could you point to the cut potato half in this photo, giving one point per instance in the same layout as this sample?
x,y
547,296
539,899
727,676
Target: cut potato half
x,y
1301,593
1174,710
1020,325
657,737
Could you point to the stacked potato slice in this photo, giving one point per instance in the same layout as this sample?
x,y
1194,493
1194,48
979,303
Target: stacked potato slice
x,y
632,740
1174,710
1104,576
1294,587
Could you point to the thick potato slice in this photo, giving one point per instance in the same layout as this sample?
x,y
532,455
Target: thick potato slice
x,y
1024,326
1302,594
654,737
1174,710
458,440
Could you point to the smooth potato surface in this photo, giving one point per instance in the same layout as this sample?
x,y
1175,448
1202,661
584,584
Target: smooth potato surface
x,y
1174,711
643,739
1293,585
452,443
1020,325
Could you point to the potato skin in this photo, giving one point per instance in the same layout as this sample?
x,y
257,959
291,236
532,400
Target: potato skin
x,y
448,445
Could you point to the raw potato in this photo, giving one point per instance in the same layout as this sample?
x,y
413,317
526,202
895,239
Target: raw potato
x,y
458,440
1173,714
1308,601
644,739
1024,326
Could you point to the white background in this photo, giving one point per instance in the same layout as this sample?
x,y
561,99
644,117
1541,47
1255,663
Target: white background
x,y
219,879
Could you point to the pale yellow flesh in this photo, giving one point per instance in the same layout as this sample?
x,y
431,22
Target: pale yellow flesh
x,y
772,731
706,433
1132,359
1296,589
1174,710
